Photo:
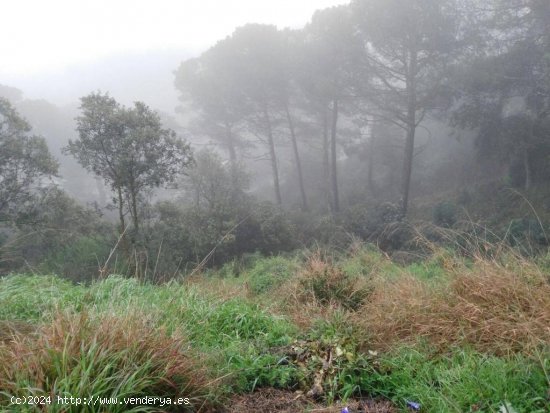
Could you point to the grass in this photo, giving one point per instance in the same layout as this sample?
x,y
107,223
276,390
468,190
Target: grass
x,y
490,307
462,380
230,336
107,357
454,335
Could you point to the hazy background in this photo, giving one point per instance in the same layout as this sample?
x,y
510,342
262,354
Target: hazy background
x,y
61,50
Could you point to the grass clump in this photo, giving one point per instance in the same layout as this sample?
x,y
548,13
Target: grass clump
x,y
326,284
491,307
104,357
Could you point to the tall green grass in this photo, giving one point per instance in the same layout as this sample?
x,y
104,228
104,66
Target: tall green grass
x,y
462,381
232,336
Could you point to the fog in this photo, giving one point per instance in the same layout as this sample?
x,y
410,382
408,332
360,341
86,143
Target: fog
x,y
317,121
64,50
61,49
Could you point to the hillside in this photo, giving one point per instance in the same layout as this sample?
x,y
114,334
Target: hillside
x,y
309,331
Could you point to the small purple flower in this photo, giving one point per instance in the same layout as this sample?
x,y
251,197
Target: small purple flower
x,y
345,410
413,405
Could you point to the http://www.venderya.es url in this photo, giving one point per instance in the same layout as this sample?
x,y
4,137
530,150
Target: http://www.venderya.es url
x,y
99,401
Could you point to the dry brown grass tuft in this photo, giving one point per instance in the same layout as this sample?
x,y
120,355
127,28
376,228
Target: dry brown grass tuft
x,y
76,352
11,329
318,289
492,307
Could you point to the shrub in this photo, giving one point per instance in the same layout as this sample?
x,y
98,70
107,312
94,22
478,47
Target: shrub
x,y
58,234
380,224
182,236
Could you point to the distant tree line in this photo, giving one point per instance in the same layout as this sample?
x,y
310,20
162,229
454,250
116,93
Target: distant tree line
x,y
482,66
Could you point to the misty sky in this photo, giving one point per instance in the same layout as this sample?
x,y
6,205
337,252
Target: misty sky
x,y
49,35
60,50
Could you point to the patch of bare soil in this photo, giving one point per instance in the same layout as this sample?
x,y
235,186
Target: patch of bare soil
x,y
270,400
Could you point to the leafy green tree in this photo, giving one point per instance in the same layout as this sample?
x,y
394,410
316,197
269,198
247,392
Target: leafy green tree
x,y
25,161
129,149
212,223
217,202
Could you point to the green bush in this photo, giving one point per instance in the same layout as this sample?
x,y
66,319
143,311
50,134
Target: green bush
x,y
382,224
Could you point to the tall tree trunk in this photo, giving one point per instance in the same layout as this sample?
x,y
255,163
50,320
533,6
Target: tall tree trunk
x,y
135,212
121,211
334,175
326,163
411,129
297,159
273,157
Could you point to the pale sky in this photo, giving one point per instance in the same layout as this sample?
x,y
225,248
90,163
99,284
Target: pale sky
x,y
41,36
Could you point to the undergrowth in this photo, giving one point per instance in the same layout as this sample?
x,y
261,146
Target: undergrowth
x,y
456,334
